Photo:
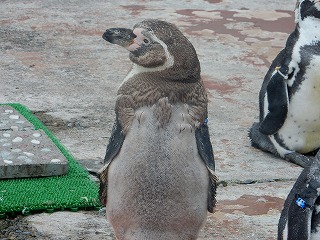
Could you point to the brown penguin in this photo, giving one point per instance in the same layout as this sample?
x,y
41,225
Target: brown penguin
x,y
158,181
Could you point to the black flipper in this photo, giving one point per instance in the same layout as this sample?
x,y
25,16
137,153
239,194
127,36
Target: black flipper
x,y
115,142
206,153
278,100
277,94
113,148
299,211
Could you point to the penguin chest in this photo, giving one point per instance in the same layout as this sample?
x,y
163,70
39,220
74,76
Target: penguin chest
x,y
158,179
301,130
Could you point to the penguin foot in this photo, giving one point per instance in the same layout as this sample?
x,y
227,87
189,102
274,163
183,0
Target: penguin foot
x,y
260,141
298,159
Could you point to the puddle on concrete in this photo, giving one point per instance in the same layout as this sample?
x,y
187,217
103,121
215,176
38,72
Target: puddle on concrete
x,y
219,22
134,9
227,87
251,205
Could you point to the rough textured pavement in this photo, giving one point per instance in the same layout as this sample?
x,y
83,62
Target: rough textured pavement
x,y
54,61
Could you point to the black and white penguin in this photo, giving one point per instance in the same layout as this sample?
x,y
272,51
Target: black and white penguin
x,y
300,216
158,181
289,98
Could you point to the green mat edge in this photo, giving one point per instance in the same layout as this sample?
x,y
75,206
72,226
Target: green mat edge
x,y
27,113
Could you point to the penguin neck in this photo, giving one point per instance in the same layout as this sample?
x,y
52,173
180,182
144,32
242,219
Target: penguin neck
x,y
167,72
137,69
309,29
148,88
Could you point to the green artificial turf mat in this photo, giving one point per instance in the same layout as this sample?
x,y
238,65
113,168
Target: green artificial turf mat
x,y
72,191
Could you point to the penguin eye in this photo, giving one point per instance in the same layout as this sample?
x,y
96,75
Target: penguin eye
x,y
146,41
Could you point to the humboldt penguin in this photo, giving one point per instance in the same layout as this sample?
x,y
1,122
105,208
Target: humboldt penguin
x,y
289,99
300,216
158,179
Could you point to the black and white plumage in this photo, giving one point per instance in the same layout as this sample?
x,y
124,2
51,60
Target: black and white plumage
x,y
289,98
158,181
300,217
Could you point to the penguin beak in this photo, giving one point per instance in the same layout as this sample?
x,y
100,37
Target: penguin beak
x,y
121,36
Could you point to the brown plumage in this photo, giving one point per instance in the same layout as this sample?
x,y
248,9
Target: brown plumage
x,y
158,180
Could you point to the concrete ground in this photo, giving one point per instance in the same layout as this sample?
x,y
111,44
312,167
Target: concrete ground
x,y
54,61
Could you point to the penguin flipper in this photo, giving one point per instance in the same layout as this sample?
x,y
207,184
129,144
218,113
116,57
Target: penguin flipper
x,y
115,143
277,96
206,153
301,209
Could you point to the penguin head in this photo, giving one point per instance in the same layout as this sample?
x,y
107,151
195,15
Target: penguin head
x,y
157,45
307,9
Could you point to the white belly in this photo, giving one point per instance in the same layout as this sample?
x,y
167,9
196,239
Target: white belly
x,y
158,181
301,130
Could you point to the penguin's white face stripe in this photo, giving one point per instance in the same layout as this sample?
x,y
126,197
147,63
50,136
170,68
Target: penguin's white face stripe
x,y
169,58
136,69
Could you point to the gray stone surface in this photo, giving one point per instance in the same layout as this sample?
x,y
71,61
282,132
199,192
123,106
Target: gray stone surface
x,y
54,61
26,152
11,120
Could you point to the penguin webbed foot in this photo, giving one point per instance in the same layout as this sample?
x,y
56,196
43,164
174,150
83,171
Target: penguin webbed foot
x,y
298,159
260,140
